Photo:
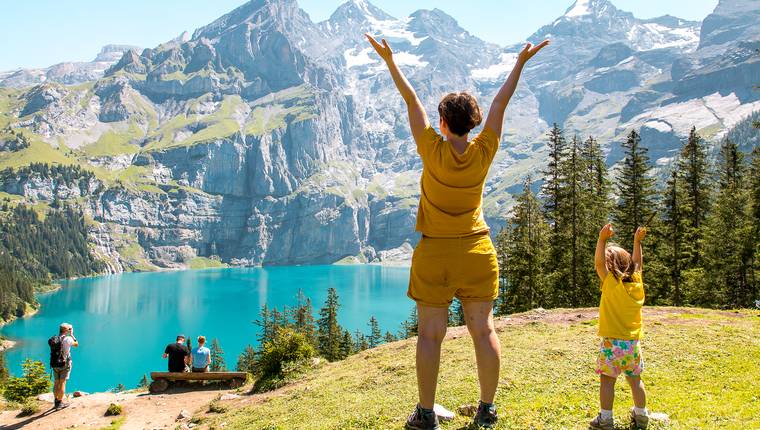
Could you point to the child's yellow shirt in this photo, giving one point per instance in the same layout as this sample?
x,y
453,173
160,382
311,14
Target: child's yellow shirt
x,y
620,307
451,200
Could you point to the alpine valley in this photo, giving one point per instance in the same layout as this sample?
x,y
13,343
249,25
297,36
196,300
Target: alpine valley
x,y
265,138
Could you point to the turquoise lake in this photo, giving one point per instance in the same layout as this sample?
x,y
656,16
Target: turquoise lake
x,y
123,322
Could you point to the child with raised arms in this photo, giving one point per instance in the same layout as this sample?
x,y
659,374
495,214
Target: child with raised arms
x,y
620,324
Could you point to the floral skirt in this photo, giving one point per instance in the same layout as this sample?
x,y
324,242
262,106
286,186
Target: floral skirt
x,y
618,356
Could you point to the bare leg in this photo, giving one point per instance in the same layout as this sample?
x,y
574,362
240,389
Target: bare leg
x,y
637,391
606,392
431,331
479,319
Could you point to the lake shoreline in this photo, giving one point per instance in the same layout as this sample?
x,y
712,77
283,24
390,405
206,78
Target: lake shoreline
x,y
114,307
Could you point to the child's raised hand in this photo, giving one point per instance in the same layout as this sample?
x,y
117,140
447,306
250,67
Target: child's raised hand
x,y
384,51
640,234
529,51
606,232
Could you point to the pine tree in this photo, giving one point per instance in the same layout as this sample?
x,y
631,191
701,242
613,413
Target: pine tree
x,y
636,190
329,331
692,169
754,191
525,254
456,314
727,249
247,360
375,335
345,345
674,237
3,366
389,337
303,318
553,196
597,205
410,326
119,388
143,382
217,357
573,285
264,322
360,341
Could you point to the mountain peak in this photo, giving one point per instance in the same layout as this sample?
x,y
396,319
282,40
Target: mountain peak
x,y
582,8
252,11
359,10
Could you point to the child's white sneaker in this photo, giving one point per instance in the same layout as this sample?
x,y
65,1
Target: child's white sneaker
x,y
600,423
639,421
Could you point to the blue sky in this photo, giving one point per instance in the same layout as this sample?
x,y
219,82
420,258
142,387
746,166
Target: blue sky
x,y
39,33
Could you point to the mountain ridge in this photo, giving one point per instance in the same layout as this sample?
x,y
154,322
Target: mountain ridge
x,y
267,138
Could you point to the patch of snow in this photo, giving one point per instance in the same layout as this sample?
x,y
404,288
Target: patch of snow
x,y
713,110
394,31
498,70
729,108
354,59
650,36
579,8
407,59
659,126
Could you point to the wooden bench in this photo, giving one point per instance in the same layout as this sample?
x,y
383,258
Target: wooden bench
x,y
161,379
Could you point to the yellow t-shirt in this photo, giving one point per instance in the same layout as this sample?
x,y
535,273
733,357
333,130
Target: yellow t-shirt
x,y
451,200
620,307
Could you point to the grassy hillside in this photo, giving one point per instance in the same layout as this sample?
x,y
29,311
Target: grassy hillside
x,y
701,370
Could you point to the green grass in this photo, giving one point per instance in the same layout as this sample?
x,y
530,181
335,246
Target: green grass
x,y
701,372
134,257
220,124
205,263
114,143
116,423
37,152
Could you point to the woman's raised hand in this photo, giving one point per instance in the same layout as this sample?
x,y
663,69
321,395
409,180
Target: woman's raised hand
x,y
529,51
606,232
640,234
383,50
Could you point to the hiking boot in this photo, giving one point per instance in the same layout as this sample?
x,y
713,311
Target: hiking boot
x,y
600,424
486,416
62,406
422,420
639,422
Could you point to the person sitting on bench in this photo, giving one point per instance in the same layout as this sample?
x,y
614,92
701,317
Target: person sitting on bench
x,y
201,357
178,354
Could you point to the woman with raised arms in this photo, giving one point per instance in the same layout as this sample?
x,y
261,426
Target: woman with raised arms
x,y
455,257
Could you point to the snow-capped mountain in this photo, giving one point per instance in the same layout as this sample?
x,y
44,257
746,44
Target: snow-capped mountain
x,y
267,138
66,73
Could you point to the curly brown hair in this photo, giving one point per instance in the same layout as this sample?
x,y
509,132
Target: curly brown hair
x,y
461,112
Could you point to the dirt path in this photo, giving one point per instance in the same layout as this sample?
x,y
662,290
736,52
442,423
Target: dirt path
x,y
141,410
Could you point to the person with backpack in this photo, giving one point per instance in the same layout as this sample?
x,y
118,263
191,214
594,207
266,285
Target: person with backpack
x,y
60,361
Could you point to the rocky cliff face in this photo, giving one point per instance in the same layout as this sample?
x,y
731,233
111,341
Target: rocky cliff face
x,y
265,138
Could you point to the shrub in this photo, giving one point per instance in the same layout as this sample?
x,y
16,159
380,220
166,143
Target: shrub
x,y
113,409
30,407
217,408
282,359
33,382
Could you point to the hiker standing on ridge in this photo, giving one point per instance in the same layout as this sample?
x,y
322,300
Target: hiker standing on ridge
x,y
60,361
178,354
455,257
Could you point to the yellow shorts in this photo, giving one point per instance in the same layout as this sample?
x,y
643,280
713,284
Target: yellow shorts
x,y
465,268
